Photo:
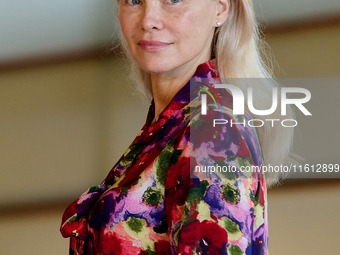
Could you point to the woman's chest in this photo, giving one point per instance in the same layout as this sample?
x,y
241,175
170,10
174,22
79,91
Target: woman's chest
x,y
143,199
132,212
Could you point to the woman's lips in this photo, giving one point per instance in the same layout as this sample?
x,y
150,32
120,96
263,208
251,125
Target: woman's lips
x,y
152,46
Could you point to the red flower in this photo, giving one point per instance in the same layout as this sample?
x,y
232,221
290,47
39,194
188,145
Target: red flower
x,y
206,67
76,228
243,150
204,237
177,186
162,247
178,182
110,244
70,211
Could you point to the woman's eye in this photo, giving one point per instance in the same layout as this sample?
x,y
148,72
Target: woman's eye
x,y
133,2
173,1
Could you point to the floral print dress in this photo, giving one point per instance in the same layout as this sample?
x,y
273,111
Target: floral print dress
x,y
154,202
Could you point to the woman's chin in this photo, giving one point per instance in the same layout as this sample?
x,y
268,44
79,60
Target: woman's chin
x,y
155,67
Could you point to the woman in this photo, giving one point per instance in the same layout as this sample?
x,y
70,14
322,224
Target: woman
x,y
154,201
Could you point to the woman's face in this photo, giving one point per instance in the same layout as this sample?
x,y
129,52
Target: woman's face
x,y
168,35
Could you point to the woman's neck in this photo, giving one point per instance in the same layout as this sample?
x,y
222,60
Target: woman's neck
x,y
166,85
164,89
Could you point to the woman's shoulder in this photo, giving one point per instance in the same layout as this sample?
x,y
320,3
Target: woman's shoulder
x,y
222,130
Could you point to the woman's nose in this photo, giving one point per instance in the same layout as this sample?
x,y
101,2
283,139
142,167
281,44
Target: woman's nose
x,y
151,19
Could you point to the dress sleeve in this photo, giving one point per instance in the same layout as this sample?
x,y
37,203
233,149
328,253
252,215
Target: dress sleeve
x,y
219,206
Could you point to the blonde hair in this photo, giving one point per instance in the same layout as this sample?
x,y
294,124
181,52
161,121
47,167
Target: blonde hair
x,y
239,52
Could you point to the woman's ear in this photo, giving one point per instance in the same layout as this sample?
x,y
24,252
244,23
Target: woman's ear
x,y
222,11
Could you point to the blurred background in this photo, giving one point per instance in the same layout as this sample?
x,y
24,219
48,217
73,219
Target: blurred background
x,y
68,112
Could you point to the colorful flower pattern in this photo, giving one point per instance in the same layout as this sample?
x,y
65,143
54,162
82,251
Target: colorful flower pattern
x,y
153,201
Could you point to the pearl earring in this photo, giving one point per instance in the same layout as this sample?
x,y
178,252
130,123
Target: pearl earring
x,y
218,23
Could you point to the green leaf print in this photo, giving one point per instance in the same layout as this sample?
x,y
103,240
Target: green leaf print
x,y
152,197
230,194
136,224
